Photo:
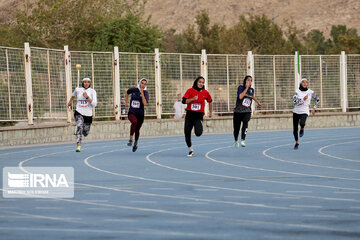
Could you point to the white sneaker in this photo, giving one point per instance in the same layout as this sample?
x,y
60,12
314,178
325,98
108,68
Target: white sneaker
x,y
190,153
243,143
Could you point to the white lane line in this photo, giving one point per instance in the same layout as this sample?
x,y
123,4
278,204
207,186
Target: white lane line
x,y
95,193
208,212
332,156
165,189
95,200
9,208
137,231
163,181
319,216
129,207
119,220
101,209
206,189
49,208
286,197
236,197
310,164
250,179
71,220
305,206
193,203
180,222
147,202
262,214
347,192
86,161
299,191
272,170
202,186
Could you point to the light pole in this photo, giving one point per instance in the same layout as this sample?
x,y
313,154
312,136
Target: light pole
x,y
78,67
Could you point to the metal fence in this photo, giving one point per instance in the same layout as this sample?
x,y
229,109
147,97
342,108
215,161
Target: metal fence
x,y
335,78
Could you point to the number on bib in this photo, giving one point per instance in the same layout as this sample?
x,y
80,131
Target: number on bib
x,y
135,104
246,102
84,103
195,106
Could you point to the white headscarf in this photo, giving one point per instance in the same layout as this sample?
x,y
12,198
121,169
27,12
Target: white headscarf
x,y
143,79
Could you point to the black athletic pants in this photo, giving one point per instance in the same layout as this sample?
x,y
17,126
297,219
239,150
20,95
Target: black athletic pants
x,y
193,120
238,118
296,119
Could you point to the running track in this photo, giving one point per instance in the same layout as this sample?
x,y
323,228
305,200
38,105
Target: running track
x,y
266,190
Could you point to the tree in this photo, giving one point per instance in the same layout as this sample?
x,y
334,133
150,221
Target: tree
x,y
263,35
344,39
314,42
55,23
202,36
293,35
129,33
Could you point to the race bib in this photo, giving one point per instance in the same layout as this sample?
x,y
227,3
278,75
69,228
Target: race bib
x,y
195,106
246,102
135,104
84,103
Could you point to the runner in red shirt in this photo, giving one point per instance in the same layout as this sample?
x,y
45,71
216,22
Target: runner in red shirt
x,y
195,99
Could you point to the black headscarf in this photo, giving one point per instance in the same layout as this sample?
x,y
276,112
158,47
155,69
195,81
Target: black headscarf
x,y
196,83
246,77
302,88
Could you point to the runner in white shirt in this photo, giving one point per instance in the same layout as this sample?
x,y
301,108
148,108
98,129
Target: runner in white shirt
x,y
86,100
301,110
179,108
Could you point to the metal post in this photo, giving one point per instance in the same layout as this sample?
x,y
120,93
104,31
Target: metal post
x,y
28,82
274,69
68,85
93,79
343,82
8,77
204,73
49,81
158,84
117,97
321,83
228,83
137,68
250,71
78,67
181,73
297,69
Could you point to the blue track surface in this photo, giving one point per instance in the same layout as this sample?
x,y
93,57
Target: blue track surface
x,y
266,190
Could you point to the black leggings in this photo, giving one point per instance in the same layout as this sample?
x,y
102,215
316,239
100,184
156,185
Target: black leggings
x,y
193,119
296,119
238,118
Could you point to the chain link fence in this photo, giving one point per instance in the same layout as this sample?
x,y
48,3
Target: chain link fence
x,y
353,85
274,80
12,85
178,72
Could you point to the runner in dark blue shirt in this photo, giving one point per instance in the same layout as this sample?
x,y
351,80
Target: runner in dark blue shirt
x,y
136,113
242,110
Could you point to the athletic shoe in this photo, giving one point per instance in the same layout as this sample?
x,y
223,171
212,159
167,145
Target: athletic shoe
x,y
301,132
190,153
129,143
134,148
78,149
237,144
243,143
296,146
